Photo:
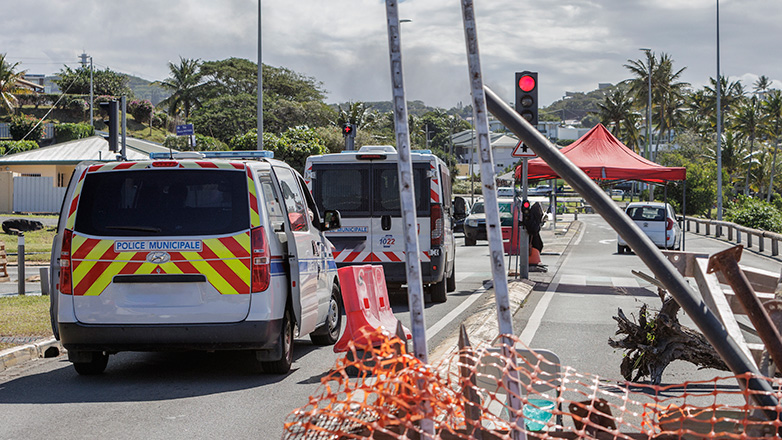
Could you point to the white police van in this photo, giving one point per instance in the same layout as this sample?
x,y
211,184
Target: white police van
x,y
363,186
212,251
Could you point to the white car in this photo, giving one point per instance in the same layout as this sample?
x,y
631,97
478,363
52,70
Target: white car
x,y
185,253
658,221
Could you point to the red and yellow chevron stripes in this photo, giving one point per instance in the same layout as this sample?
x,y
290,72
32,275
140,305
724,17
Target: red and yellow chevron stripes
x,y
225,262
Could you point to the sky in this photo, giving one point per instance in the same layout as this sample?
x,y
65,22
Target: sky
x,y
573,44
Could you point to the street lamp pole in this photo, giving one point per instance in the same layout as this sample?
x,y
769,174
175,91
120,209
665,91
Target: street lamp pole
x,y
92,99
718,89
648,146
260,83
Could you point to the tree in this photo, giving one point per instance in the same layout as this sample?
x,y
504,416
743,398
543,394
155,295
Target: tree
x,y
226,116
762,85
617,113
104,82
746,122
772,109
8,84
184,82
230,76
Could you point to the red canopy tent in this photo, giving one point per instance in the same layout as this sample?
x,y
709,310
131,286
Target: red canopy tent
x,y
602,156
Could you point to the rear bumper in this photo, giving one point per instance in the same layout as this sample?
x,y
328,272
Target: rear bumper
x,y
432,271
248,335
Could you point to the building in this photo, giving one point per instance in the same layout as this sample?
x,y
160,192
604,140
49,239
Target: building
x,y
35,180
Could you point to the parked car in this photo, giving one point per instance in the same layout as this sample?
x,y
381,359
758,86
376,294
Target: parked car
x,y
461,209
475,224
192,251
505,191
658,221
540,190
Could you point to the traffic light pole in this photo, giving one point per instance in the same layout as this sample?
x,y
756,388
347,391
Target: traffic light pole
x,y
523,234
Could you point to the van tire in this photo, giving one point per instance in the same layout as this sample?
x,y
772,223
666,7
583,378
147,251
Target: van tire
x,y
439,292
469,241
450,282
328,333
96,364
283,366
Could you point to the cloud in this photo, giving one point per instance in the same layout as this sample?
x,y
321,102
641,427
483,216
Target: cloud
x,y
573,44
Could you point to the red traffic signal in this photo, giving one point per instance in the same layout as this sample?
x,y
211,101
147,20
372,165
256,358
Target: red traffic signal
x,y
527,96
348,130
527,83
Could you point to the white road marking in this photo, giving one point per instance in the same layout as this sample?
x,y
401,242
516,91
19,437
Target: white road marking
x,y
453,314
537,315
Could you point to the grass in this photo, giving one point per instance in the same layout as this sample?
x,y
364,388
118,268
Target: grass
x,y
37,244
24,316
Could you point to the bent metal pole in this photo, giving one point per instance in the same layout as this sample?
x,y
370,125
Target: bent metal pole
x,y
706,321
492,213
415,294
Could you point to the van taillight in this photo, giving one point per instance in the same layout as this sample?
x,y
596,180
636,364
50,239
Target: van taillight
x,y
668,224
66,286
437,225
259,253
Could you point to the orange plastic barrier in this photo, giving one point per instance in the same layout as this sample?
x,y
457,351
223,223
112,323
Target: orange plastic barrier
x,y
367,307
508,245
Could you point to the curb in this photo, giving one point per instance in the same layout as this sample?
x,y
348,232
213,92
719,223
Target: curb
x,y
46,348
483,327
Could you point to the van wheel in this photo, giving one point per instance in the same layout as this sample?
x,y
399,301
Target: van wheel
x,y
450,282
283,365
439,292
96,364
328,333
469,241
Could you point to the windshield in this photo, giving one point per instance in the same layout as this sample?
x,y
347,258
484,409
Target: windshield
x,y
170,202
505,209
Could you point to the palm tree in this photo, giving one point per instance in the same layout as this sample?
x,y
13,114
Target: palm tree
x,y
185,81
772,109
8,84
667,90
358,114
616,113
761,86
747,122
731,95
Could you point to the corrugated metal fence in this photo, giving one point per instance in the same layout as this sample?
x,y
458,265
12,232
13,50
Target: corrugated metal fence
x,y
37,194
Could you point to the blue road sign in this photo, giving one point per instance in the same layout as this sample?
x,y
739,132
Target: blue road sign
x,y
185,130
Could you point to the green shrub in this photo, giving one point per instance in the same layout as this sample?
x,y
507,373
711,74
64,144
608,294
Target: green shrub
x,y
11,147
140,110
753,213
67,132
25,127
203,143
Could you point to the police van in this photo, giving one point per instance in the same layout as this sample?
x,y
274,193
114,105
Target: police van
x,y
363,186
193,251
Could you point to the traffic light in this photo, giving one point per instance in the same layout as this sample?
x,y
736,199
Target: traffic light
x,y
525,205
527,96
112,109
348,130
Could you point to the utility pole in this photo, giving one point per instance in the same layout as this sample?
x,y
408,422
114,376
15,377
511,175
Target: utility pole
x,y
260,82
719,121
84,58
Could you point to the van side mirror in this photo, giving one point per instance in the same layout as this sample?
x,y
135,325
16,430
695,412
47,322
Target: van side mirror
x,y
331,220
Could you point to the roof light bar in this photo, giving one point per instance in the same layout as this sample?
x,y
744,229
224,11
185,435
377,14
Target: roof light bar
x,y
251,154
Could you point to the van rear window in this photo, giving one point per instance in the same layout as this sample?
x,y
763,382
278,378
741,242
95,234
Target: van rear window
x,y
362,190
163,203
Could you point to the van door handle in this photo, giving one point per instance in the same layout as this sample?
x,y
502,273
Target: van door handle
x,y
385,222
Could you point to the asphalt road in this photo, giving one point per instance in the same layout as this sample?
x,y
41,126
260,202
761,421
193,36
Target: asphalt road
x,y
215,395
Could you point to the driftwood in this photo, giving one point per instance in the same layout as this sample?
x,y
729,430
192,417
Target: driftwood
x,y
655,341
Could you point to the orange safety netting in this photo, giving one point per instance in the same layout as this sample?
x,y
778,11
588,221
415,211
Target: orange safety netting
x,y
384,392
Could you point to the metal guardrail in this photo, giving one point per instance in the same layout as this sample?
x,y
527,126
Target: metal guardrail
x,y
732,229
